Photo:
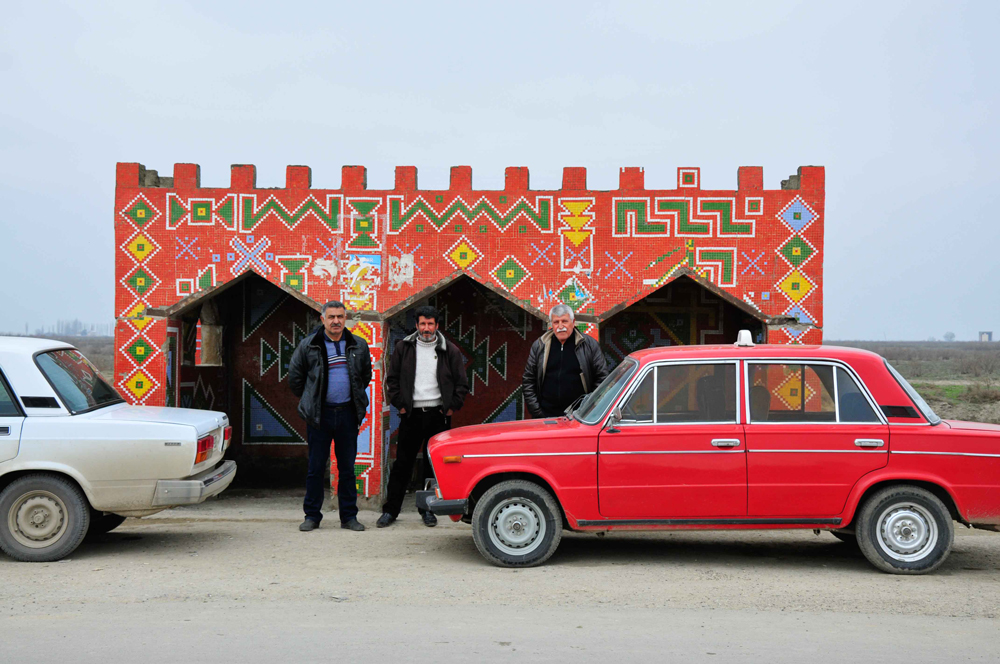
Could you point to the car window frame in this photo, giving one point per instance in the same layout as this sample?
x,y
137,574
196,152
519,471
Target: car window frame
x,y
13,395
651,367
59,397
836,397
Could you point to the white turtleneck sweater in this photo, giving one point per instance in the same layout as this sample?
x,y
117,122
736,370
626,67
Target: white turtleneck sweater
x,y
426,392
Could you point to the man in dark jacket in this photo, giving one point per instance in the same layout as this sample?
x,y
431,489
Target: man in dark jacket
x,y
563,365
329,372
426,383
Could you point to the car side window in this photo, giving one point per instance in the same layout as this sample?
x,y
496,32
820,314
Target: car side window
x,y
695,393
639,407
854,407
8,406
791,393
679,393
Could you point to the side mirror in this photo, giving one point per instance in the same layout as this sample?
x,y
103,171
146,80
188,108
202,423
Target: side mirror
x,y
616,417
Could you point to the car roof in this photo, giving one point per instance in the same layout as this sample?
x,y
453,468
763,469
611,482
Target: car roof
x,y
29,344
793,351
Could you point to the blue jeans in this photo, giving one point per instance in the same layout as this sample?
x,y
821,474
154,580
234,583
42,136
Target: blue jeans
x,y
338,424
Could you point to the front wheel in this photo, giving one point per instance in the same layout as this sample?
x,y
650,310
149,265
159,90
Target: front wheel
x,y
42,518
517,524
905,530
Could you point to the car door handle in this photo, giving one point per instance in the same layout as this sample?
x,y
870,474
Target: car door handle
x,y
726,442
4,431
869,442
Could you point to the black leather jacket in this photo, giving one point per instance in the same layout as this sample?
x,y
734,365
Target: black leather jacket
x,y
308,371
593,367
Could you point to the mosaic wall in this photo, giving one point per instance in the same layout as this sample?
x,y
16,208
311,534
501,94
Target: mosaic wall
x,y
379,251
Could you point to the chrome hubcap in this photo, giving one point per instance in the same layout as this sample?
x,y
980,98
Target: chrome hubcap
x,y
907,532
517,526
37,519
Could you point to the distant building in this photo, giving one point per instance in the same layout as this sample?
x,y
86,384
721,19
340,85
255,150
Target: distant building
x,y
986,336
215,286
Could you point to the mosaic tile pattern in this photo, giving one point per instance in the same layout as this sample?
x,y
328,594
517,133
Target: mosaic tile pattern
x,y
599,251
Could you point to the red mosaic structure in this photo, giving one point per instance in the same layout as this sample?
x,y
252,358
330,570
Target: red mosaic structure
x,y
216,286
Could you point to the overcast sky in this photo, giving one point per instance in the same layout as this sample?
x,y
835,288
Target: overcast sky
x,y
898,101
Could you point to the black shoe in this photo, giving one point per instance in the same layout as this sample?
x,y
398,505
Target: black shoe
x,y
353,524
430,520
385,520
308,525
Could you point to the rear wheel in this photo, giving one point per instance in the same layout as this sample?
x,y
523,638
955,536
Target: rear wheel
x,y
517,524
42,518
905,530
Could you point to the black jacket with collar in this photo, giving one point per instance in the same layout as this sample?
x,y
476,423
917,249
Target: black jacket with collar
x,y
452,378
307,374
593,367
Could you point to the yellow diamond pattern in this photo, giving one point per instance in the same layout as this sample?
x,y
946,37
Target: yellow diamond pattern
x,y
795,286
140,247
136,318
463,255
790,391
139,384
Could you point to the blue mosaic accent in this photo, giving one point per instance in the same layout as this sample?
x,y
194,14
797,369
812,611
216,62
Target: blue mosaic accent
x,y
797,215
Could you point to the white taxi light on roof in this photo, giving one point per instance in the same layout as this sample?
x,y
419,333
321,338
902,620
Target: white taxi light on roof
x,y
743,339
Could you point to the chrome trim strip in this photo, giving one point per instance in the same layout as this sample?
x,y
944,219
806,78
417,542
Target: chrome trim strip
x,y
966,454
864,451
805,521
723,451
526,454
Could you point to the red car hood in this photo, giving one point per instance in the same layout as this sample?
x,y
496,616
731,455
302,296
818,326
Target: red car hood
x,y
508,432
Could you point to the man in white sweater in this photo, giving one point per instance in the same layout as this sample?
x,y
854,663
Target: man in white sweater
x,y
426,382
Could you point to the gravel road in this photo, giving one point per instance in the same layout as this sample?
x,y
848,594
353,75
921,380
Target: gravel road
x,y
234,580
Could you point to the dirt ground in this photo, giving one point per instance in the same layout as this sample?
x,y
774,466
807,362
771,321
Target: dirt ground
x,y
236,571
245,546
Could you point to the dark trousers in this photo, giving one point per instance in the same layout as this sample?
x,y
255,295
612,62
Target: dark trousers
x,y
414,431
339,424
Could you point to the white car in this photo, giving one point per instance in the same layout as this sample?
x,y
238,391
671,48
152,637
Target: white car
x,y
75,458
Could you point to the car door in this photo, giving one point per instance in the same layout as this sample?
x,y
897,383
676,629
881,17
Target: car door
x,y
813,432
11,420
678,451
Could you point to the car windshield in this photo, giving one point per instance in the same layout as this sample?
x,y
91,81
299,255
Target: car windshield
x,y
914,396
597,402
76,381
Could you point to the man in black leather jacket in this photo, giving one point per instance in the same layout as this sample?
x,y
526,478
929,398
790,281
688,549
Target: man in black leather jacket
x,y
329,372
562,366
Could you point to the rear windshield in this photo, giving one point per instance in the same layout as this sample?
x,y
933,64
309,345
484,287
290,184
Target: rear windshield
x,y
597,402
76,381
914,396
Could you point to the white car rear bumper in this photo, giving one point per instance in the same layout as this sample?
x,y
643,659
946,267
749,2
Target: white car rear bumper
x,y
194,489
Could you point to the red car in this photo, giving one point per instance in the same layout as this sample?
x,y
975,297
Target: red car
x,y
728,437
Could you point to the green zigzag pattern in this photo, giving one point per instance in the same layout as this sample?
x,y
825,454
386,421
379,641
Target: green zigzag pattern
x,y
251,217
398,218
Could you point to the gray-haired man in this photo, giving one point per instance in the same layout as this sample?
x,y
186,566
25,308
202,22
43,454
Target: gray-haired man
x,y
563,365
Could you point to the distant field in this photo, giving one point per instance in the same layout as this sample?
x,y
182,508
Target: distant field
x,y
960,380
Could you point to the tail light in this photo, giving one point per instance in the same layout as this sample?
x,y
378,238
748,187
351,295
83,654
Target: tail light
x,y
205,446
227,435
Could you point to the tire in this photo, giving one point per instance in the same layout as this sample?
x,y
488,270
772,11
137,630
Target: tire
x,y
846,537
517,524
103,522
42,518
905,530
